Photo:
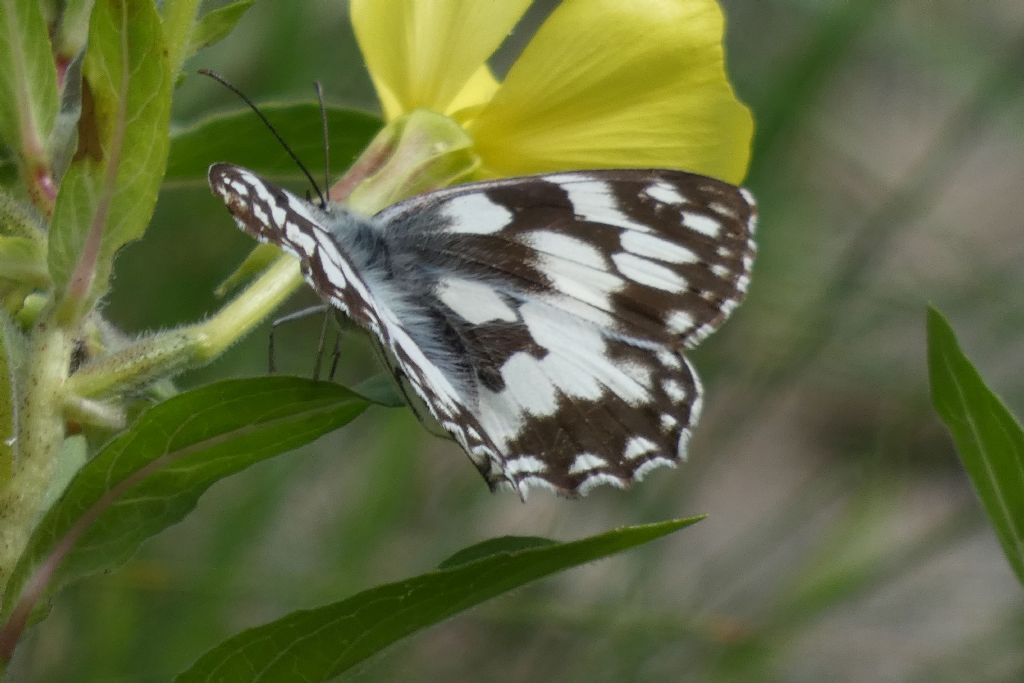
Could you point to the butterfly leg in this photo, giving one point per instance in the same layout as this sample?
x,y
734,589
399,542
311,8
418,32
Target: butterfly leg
x,y
320,344
291,317
335,356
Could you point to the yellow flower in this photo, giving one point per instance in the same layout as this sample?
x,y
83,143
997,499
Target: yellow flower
x,y
602,84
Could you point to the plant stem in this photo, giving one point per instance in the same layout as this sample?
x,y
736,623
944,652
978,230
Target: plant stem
x,y
193,346
39,437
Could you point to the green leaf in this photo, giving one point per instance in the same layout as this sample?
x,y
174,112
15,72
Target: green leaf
x,y
495,546
382,390
28,77
988,437
318,644
241,138
216,24
151,475
107,197
22,260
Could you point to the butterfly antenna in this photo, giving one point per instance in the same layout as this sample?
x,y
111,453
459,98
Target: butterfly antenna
x,y
220,79
327,142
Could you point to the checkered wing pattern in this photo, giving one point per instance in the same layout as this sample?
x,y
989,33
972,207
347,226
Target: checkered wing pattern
x,y
543,320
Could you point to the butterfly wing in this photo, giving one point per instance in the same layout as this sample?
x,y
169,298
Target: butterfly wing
x,y
344,259
572,297
541,319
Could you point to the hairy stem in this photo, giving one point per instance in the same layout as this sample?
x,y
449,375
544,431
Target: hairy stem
x,y
39,437
171,352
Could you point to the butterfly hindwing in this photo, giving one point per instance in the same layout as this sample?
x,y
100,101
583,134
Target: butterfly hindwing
x,y
542,319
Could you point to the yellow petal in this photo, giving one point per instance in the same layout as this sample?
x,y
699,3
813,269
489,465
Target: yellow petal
x,y
421,53
608,83
479,89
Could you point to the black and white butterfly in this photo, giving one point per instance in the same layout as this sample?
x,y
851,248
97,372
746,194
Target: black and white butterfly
x,y
543,319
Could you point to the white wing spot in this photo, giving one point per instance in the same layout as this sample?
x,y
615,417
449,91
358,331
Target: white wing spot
x,y
593,200
528,385
474,302
722,209
525,463
684,441
638,372
261,215
679,322
476,214
240,189
637,446
649,246
595,480
580,282
669,359
332,272
585,462
721,271
566,247
702,224
302,240
568,346
580,309
648,273
278,213
663,192
674,390
652,464
668,422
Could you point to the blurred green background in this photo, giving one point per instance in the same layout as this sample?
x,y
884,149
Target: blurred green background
x,y
843,541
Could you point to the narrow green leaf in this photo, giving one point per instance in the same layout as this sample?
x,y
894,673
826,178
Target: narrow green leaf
x,y
988,437
28,77
107,197
318,644
239,137
151,475
495,546
216,24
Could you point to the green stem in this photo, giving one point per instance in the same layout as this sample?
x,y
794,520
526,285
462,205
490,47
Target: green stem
x,y
39,437
171,352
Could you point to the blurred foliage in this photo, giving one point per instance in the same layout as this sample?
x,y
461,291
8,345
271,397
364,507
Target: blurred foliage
x,y
843,540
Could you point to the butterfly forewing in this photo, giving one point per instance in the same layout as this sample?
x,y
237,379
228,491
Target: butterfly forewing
x,y
542,319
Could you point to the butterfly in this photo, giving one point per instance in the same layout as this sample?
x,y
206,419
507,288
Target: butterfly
x,y
542,320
